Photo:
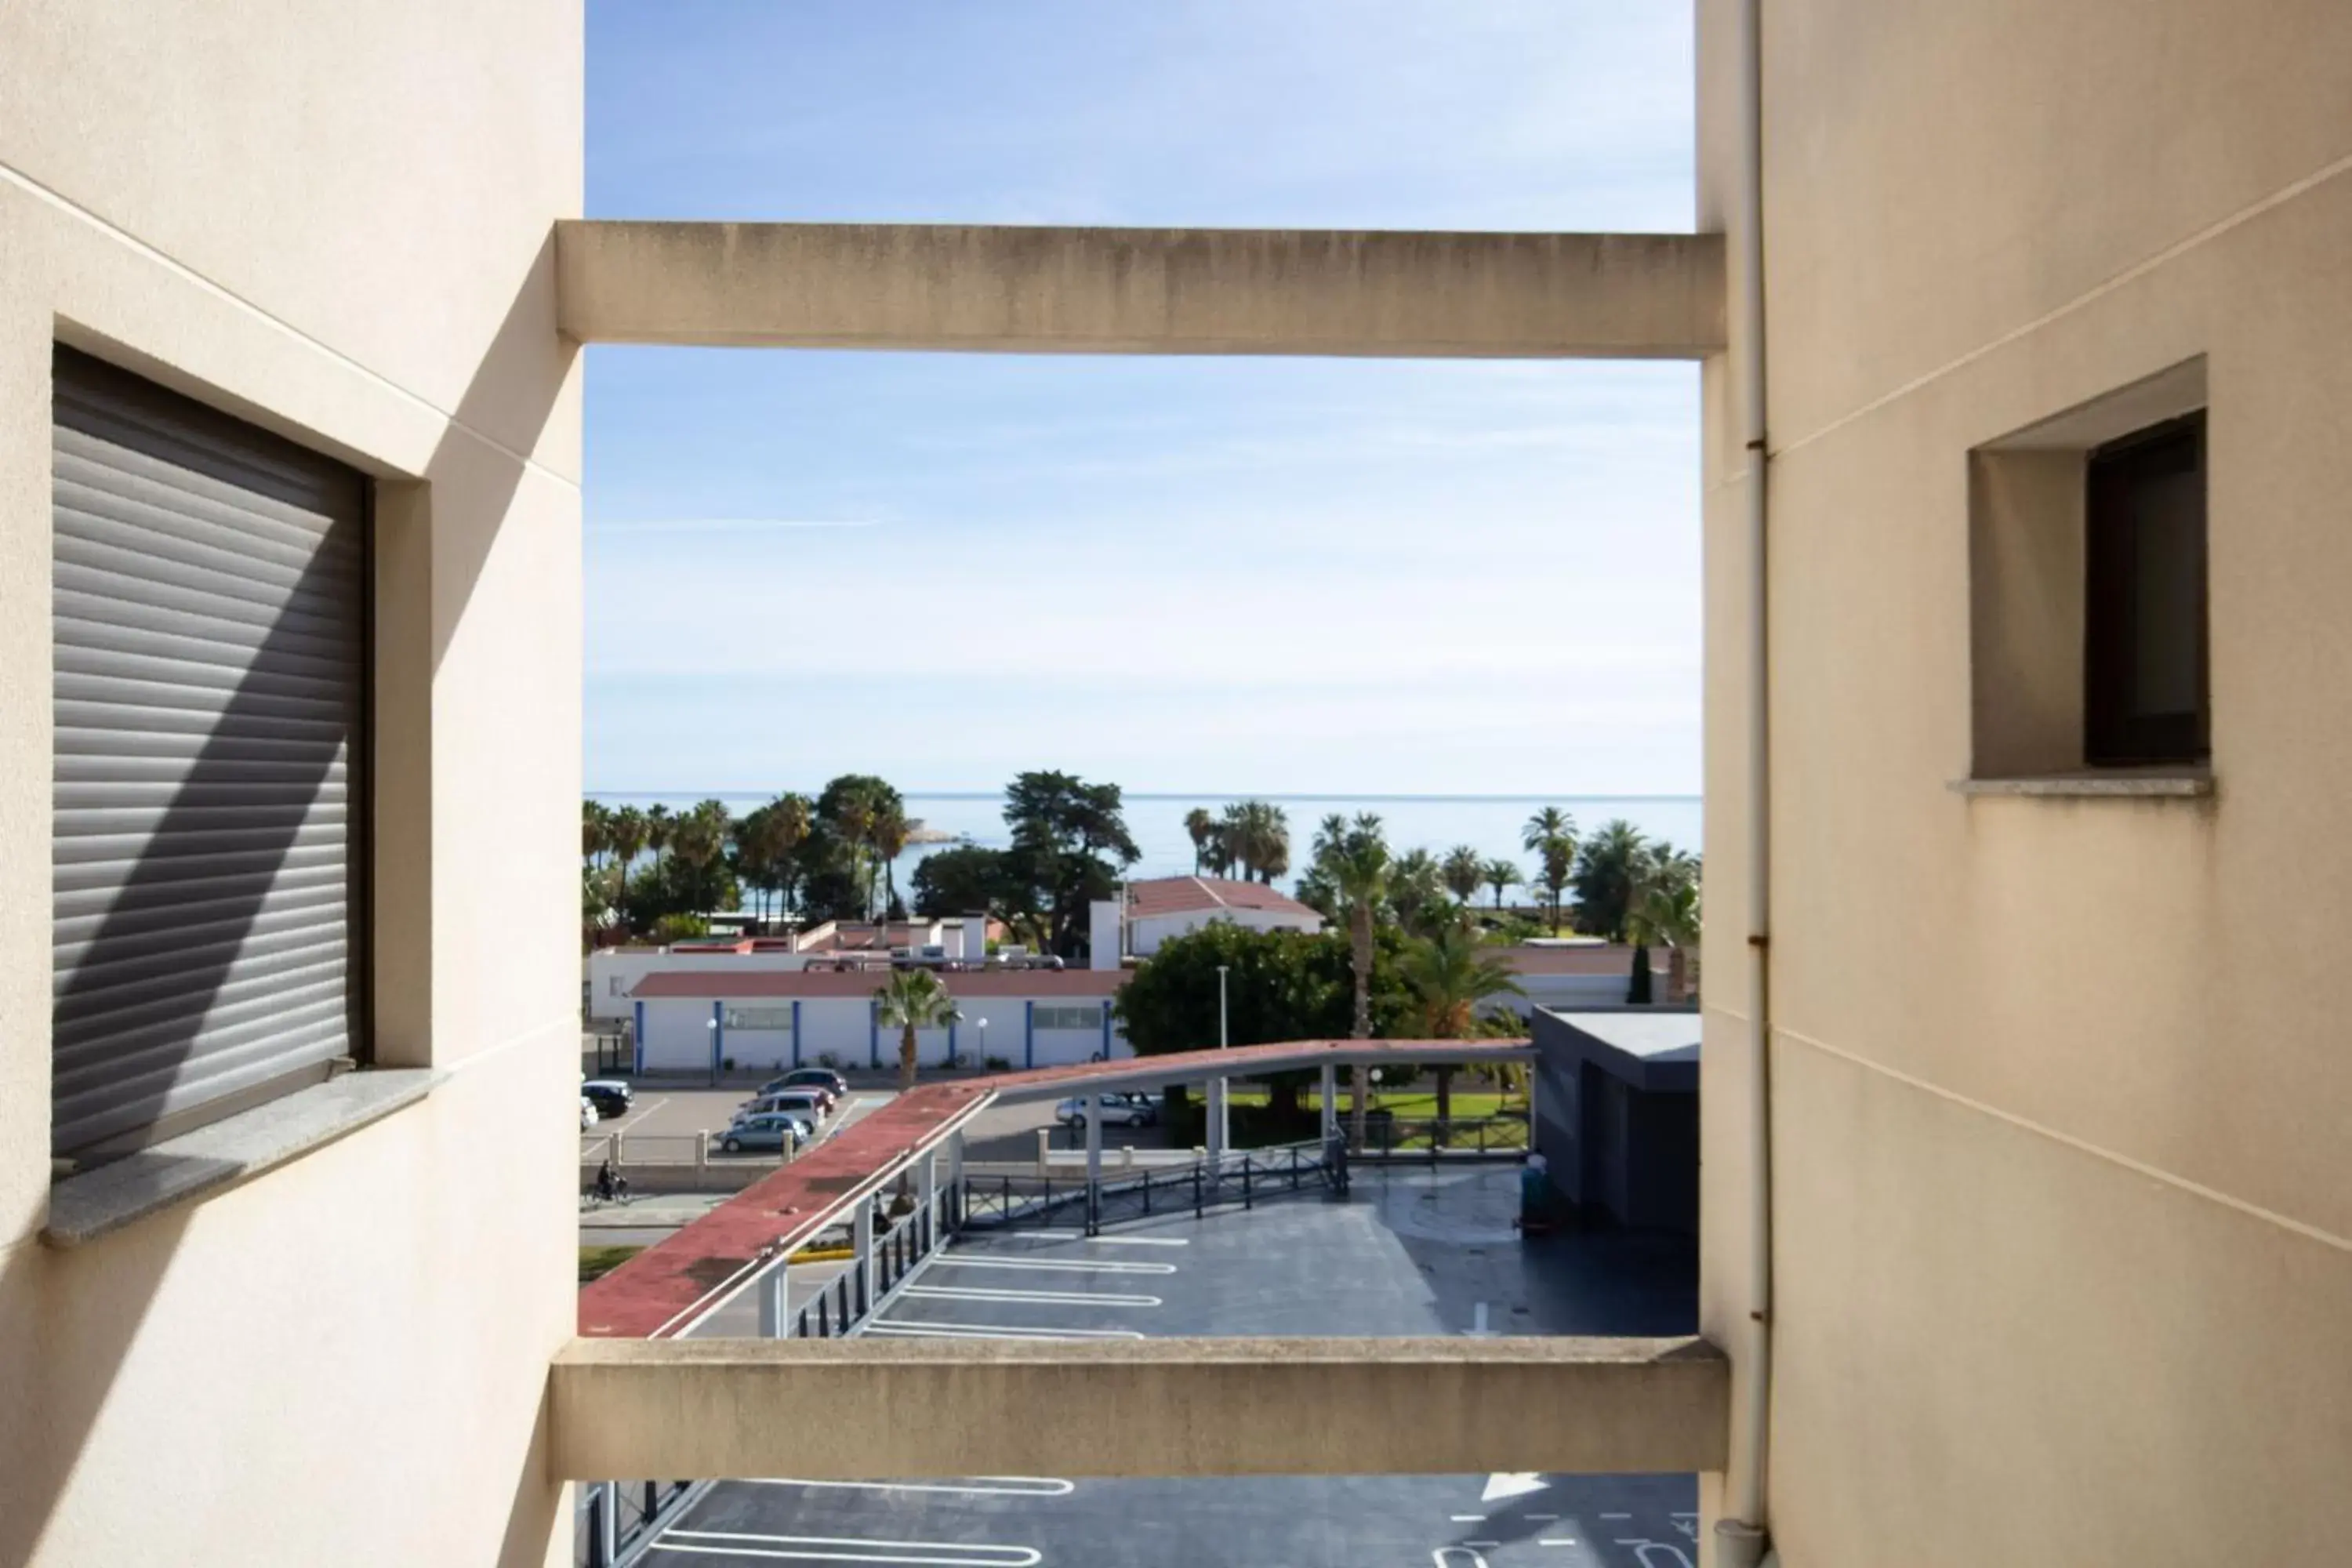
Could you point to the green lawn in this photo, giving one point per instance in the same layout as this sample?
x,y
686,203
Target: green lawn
x,y
1414,1105
597,1261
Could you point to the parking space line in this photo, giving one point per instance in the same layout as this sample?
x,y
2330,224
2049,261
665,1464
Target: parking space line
x,y
1058,1266
808,1549
973,1332
1057,1298
1105,1240
979,1486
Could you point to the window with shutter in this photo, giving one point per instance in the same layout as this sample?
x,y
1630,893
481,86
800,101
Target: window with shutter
x,y
211,598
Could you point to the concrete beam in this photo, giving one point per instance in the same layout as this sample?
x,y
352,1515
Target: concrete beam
x,y
699,1409
1138,290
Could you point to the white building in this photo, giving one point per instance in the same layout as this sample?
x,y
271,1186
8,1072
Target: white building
x,y
613,973
1169,907
691,1020
1571,976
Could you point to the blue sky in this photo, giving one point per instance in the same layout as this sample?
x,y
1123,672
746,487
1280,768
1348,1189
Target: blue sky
x,y
1278,576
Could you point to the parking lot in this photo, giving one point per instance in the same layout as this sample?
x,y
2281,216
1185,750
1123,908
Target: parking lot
x,y
1412,1252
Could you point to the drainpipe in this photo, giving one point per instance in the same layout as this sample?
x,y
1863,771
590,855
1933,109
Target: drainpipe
x,y
1742,1540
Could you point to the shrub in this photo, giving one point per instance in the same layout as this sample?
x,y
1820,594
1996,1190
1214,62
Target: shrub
x,y
998,1064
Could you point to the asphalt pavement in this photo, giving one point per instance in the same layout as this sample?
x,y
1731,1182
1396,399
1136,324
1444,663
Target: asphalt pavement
x,y
1411,1252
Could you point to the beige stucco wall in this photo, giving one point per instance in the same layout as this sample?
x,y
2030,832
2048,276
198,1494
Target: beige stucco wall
x,y
2065,1203
337,222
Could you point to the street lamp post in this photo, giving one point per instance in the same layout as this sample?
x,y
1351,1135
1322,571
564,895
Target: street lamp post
x,y
984,1045
1225,1042
711,1027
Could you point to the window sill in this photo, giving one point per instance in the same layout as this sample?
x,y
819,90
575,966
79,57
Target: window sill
x,y
181,1170
2090,783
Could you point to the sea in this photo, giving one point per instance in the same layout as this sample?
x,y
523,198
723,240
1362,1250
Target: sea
x,y
1494,824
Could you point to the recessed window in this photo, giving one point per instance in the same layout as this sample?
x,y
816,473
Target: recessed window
x,y
2143,690
1085,1017
2087,585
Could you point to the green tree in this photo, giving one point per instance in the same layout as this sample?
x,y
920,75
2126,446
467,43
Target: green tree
x,y
1202,828
850,809
1353,856
1463,870
1501,876
1280,985
912,999
962,879
1070,843
1417,891
595,832
1256,834
1609,868
891,829
1666,914
1448,974
1550,836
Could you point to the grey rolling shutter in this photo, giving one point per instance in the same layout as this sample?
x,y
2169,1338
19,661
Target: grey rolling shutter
x,y
211,638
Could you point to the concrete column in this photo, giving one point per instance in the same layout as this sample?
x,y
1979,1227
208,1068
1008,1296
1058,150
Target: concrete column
x,y
862,1248
931,1191
1329,1101
955,1173
1217,1132
775,1303
1045,1151
1359,1076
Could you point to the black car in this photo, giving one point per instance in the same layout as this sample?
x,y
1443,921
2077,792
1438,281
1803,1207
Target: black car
x,y
610,1096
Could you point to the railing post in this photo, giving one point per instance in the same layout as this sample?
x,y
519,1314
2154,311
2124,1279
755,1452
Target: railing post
x,y
1246,1182
603,1529
1197,1208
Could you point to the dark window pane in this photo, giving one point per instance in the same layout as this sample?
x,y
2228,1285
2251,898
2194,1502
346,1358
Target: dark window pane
x,y
2144,654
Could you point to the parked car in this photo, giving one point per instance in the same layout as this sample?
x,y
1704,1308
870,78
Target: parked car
x,y
824,1078
611,1096
767,1131
808,1102
587,1113
1118,1110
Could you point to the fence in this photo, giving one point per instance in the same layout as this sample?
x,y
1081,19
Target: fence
x,y
1390,1139
1247,1178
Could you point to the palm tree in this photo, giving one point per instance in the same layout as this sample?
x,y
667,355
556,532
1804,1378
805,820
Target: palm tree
x,y
1666,912
1274,844
890,830
628,841
1202,827
1550,836
1449,973
790,819
1354,858
1416,892
595,831
1609,867
659,823
912,999
1463,870
1500,874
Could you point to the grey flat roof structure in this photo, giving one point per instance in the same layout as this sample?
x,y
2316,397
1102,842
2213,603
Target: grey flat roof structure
x,y
1653,1049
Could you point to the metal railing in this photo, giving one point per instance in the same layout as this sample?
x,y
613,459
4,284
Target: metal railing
x,y
1390,1139
1246,1177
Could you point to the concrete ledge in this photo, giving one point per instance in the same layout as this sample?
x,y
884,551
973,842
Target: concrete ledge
x,y
851,1409
183,1169
2132,784
1103,290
